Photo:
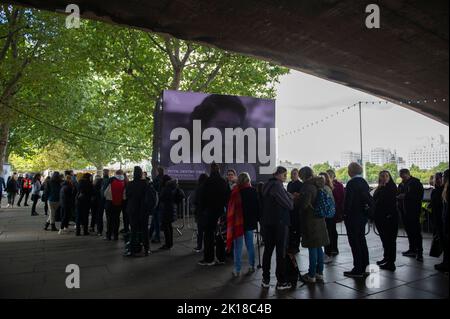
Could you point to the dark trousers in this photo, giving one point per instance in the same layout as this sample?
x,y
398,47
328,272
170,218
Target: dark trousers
x,y
94,208
139,231
168,233
333,235
388,229
356,229
275,236
83,216
46,207
23,193
125,219
411,221
213,240
33,207
66,213
154,226
99,217
200,233
11,198
112,220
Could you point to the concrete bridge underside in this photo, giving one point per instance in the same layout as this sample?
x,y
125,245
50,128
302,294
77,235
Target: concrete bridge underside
x,y
404,60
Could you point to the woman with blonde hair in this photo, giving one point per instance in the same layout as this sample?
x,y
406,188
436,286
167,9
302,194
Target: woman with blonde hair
x,y
242,219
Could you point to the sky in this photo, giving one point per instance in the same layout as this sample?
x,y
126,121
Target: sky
x,y
303,98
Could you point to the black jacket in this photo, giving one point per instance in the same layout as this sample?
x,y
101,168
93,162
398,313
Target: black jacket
x,y
66,196
250,208
413,190
85,192
213,199
171,196
141,199
277,203
386,202
12,186
436,206
357,200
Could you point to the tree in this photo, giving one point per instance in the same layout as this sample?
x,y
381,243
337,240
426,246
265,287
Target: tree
x,y
116,75
323,167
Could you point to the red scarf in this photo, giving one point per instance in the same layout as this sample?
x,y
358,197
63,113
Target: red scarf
x,y
235,215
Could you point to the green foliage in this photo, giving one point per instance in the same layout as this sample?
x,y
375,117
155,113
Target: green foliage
x,y
102,81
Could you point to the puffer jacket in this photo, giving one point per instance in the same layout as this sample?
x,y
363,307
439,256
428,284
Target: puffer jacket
x,y
314,229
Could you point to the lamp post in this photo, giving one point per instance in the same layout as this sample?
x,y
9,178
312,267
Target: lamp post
x,y
361,140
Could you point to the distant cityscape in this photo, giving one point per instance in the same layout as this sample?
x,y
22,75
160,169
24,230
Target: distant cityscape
x,y
429,153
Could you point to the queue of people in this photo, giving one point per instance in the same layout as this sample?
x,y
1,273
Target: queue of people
x,y
229,210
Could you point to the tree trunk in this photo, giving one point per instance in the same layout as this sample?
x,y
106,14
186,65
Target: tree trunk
x,y
99,168
4,133
177,75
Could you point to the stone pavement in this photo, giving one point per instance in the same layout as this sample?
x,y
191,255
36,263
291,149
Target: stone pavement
x,y
33,262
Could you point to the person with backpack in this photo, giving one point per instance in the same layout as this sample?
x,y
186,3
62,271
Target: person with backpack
x,y
242,218
386,218
357,206
275,221
35,193
315,204
142,199
54,188
114,196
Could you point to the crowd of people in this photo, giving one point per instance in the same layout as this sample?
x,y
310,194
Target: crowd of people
x,y
229,209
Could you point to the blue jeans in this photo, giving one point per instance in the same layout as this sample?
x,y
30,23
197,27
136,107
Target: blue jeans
x,y
315,261
155,226
238,245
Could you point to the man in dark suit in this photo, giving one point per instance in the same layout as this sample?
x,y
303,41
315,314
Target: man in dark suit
x,y
410,205
356,207
213,200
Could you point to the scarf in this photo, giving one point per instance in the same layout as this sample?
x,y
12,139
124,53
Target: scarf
x,y
235,215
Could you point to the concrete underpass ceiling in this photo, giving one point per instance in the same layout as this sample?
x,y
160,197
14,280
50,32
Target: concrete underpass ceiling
x,y
406,59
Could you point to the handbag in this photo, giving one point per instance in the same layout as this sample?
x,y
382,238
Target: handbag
x,y
436,247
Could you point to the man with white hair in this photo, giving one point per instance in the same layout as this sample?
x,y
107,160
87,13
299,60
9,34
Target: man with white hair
x,y
357,203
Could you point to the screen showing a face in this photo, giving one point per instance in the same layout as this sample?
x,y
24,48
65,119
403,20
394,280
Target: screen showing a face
x,y
235,132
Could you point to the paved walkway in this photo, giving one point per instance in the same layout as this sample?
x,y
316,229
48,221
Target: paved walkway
x,y
33,262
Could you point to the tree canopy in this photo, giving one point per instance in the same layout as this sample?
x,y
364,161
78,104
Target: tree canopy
x,y
92,91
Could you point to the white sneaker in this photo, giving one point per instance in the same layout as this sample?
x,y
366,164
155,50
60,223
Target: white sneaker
x,y
327,259
8,206
236,273
319,277
308,279
61,231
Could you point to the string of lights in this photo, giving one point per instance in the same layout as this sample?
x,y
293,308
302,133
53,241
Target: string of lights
x,y
343,110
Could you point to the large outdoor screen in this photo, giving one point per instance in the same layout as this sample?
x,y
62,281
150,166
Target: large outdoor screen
x,y
233,131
